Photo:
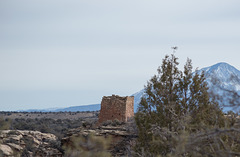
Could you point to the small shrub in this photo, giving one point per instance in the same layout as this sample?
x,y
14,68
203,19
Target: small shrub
x,y
106,123
86,124
90,146
10,140
5,124
13,132
29,144
116,122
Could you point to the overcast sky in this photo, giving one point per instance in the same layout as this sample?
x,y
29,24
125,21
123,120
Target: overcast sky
x,y
59,53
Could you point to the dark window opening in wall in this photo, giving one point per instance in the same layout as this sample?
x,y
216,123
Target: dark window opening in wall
x,y
112,116
119,113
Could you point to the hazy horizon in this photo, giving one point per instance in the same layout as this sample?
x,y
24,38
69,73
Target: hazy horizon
x,y
70,53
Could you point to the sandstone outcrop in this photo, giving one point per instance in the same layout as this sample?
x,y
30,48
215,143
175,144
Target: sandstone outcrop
x,y
14,143
122,137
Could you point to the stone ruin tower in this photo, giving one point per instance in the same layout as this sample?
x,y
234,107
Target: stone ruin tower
x,y
116,107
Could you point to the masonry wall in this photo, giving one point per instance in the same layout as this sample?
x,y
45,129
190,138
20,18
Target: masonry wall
x,y
116,107
129,108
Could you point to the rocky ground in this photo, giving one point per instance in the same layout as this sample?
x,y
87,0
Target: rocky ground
x,y
16,143
122,137
50,115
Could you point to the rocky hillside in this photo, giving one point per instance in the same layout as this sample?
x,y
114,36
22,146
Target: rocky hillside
x,y
16,143
113,140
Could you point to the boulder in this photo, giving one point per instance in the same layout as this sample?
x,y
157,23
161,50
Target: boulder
x,y
5,150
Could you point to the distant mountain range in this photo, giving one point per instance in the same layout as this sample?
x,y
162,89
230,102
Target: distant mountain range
x,y
93,107
228,78
227,75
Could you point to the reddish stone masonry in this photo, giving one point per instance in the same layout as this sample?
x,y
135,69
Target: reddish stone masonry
x,y
116,107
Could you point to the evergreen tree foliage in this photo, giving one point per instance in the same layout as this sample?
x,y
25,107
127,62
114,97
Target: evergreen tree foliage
x,y
176,104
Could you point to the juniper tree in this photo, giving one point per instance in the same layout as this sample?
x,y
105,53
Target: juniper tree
x,y
174,102
184,85
159,102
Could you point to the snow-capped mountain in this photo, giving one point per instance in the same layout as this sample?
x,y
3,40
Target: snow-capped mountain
x,y
220,75
137,99
222,78
227,76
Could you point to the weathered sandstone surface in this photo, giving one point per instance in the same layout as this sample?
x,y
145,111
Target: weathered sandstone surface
x,y
14,143
122,137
